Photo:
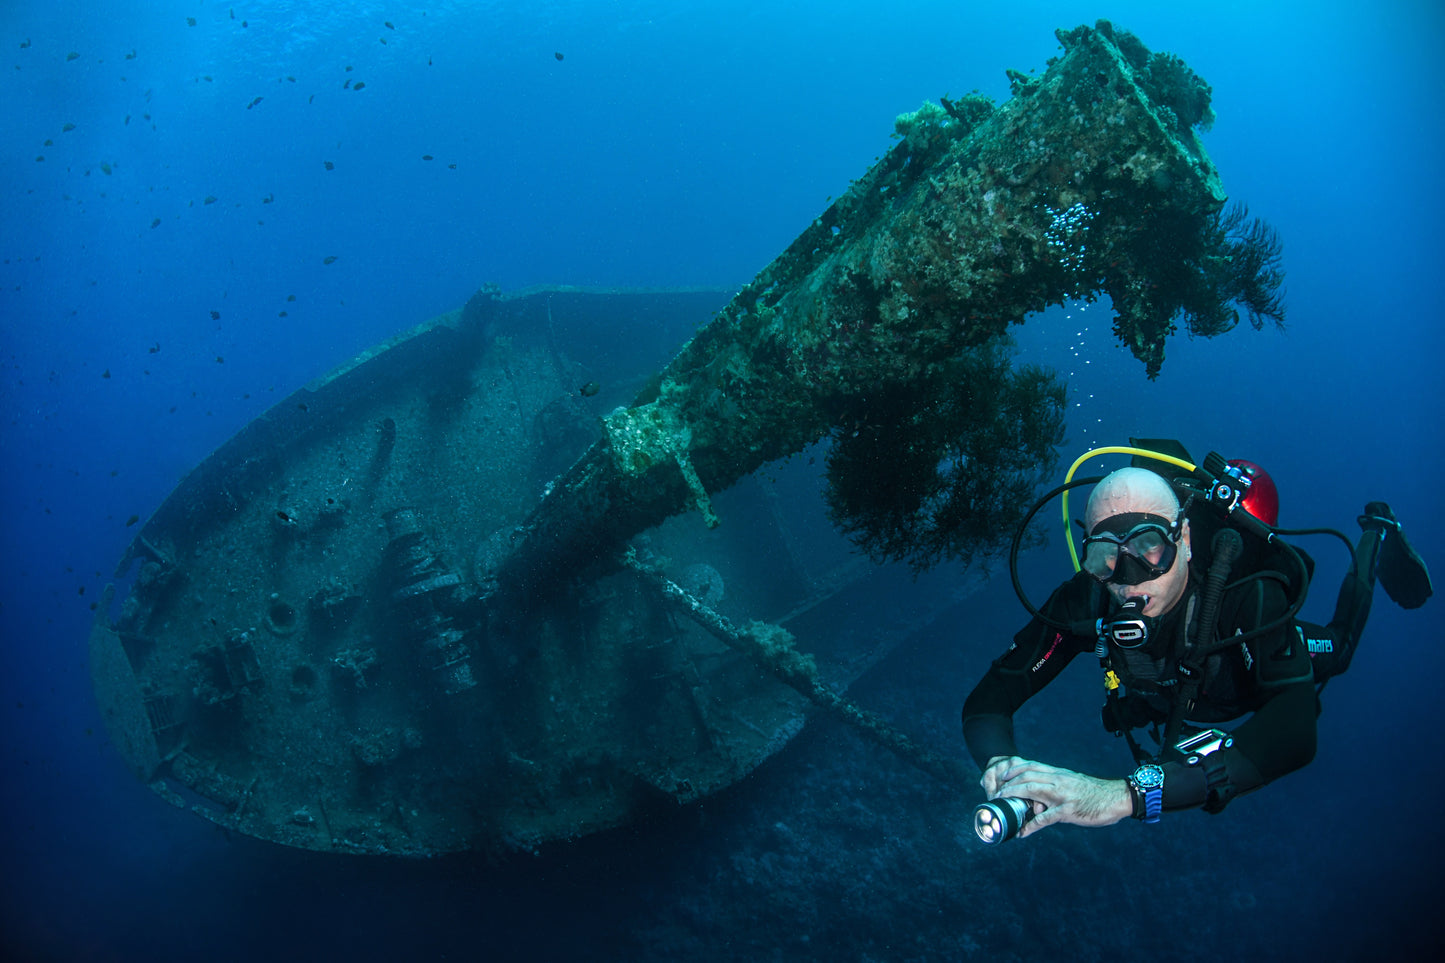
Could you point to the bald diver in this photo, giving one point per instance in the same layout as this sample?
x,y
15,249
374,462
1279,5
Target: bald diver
x,y
1188,595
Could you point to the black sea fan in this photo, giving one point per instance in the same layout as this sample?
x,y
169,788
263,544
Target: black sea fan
x,y
944,466
1252,277
1237,268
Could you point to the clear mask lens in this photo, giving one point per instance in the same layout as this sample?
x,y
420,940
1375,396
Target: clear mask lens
x,y
1142,555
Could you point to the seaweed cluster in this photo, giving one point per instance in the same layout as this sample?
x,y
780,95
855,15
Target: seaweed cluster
x,y
938,468
1204,270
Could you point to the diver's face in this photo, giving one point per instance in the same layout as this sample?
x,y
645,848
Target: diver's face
x,y
1165,591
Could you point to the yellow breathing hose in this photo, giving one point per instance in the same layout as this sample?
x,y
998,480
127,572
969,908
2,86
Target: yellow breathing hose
x,y
1110,450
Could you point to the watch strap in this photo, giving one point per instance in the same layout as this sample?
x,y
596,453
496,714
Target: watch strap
x,y
1153,804
1146,786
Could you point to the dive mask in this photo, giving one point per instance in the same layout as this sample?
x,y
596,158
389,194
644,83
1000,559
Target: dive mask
x,y
1132,548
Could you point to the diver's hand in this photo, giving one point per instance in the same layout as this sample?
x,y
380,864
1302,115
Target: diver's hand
x,y
993,773
1058,795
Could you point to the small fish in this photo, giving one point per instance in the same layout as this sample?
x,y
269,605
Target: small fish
x,y
215,315
268,198
72,56
389,26
130,56
25,44
290,78
427,157
132,520
105,373
210,199
290,297
155,348
589,389
48,143
359,85
348,68
190,21
329,166
329,259
127,120
347,84
220,360
382,39
280,314
452,166
207,78
67,128
105,169
284,517
254,103
558,55
155,223
39,158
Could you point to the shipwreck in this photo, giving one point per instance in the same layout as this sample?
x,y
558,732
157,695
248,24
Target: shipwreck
x,y
500,582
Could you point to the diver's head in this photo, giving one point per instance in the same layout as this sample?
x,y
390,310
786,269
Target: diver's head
x,y
1138,544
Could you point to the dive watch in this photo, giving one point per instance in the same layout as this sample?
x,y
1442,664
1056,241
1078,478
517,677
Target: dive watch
x,y
1147,788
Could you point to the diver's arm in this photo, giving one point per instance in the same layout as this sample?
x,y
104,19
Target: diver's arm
x,y
989,735
1279,737
988,726
1038,654
1277,740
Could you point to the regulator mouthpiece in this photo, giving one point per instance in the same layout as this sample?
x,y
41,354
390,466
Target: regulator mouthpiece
x,y
1129,627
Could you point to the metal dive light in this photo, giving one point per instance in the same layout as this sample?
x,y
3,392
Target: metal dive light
x,y
1000,820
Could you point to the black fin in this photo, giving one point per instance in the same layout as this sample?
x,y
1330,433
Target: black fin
x,y
1402,572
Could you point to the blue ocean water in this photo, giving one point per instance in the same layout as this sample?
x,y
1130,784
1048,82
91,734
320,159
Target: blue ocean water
x,y
215,168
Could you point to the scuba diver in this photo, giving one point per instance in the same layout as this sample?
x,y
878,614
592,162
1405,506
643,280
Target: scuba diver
x,y
1187,595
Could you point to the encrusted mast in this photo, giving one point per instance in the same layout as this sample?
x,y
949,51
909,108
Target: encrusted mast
x,y
1089,180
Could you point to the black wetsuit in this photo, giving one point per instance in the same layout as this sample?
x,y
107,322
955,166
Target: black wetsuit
x,y
1269,675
